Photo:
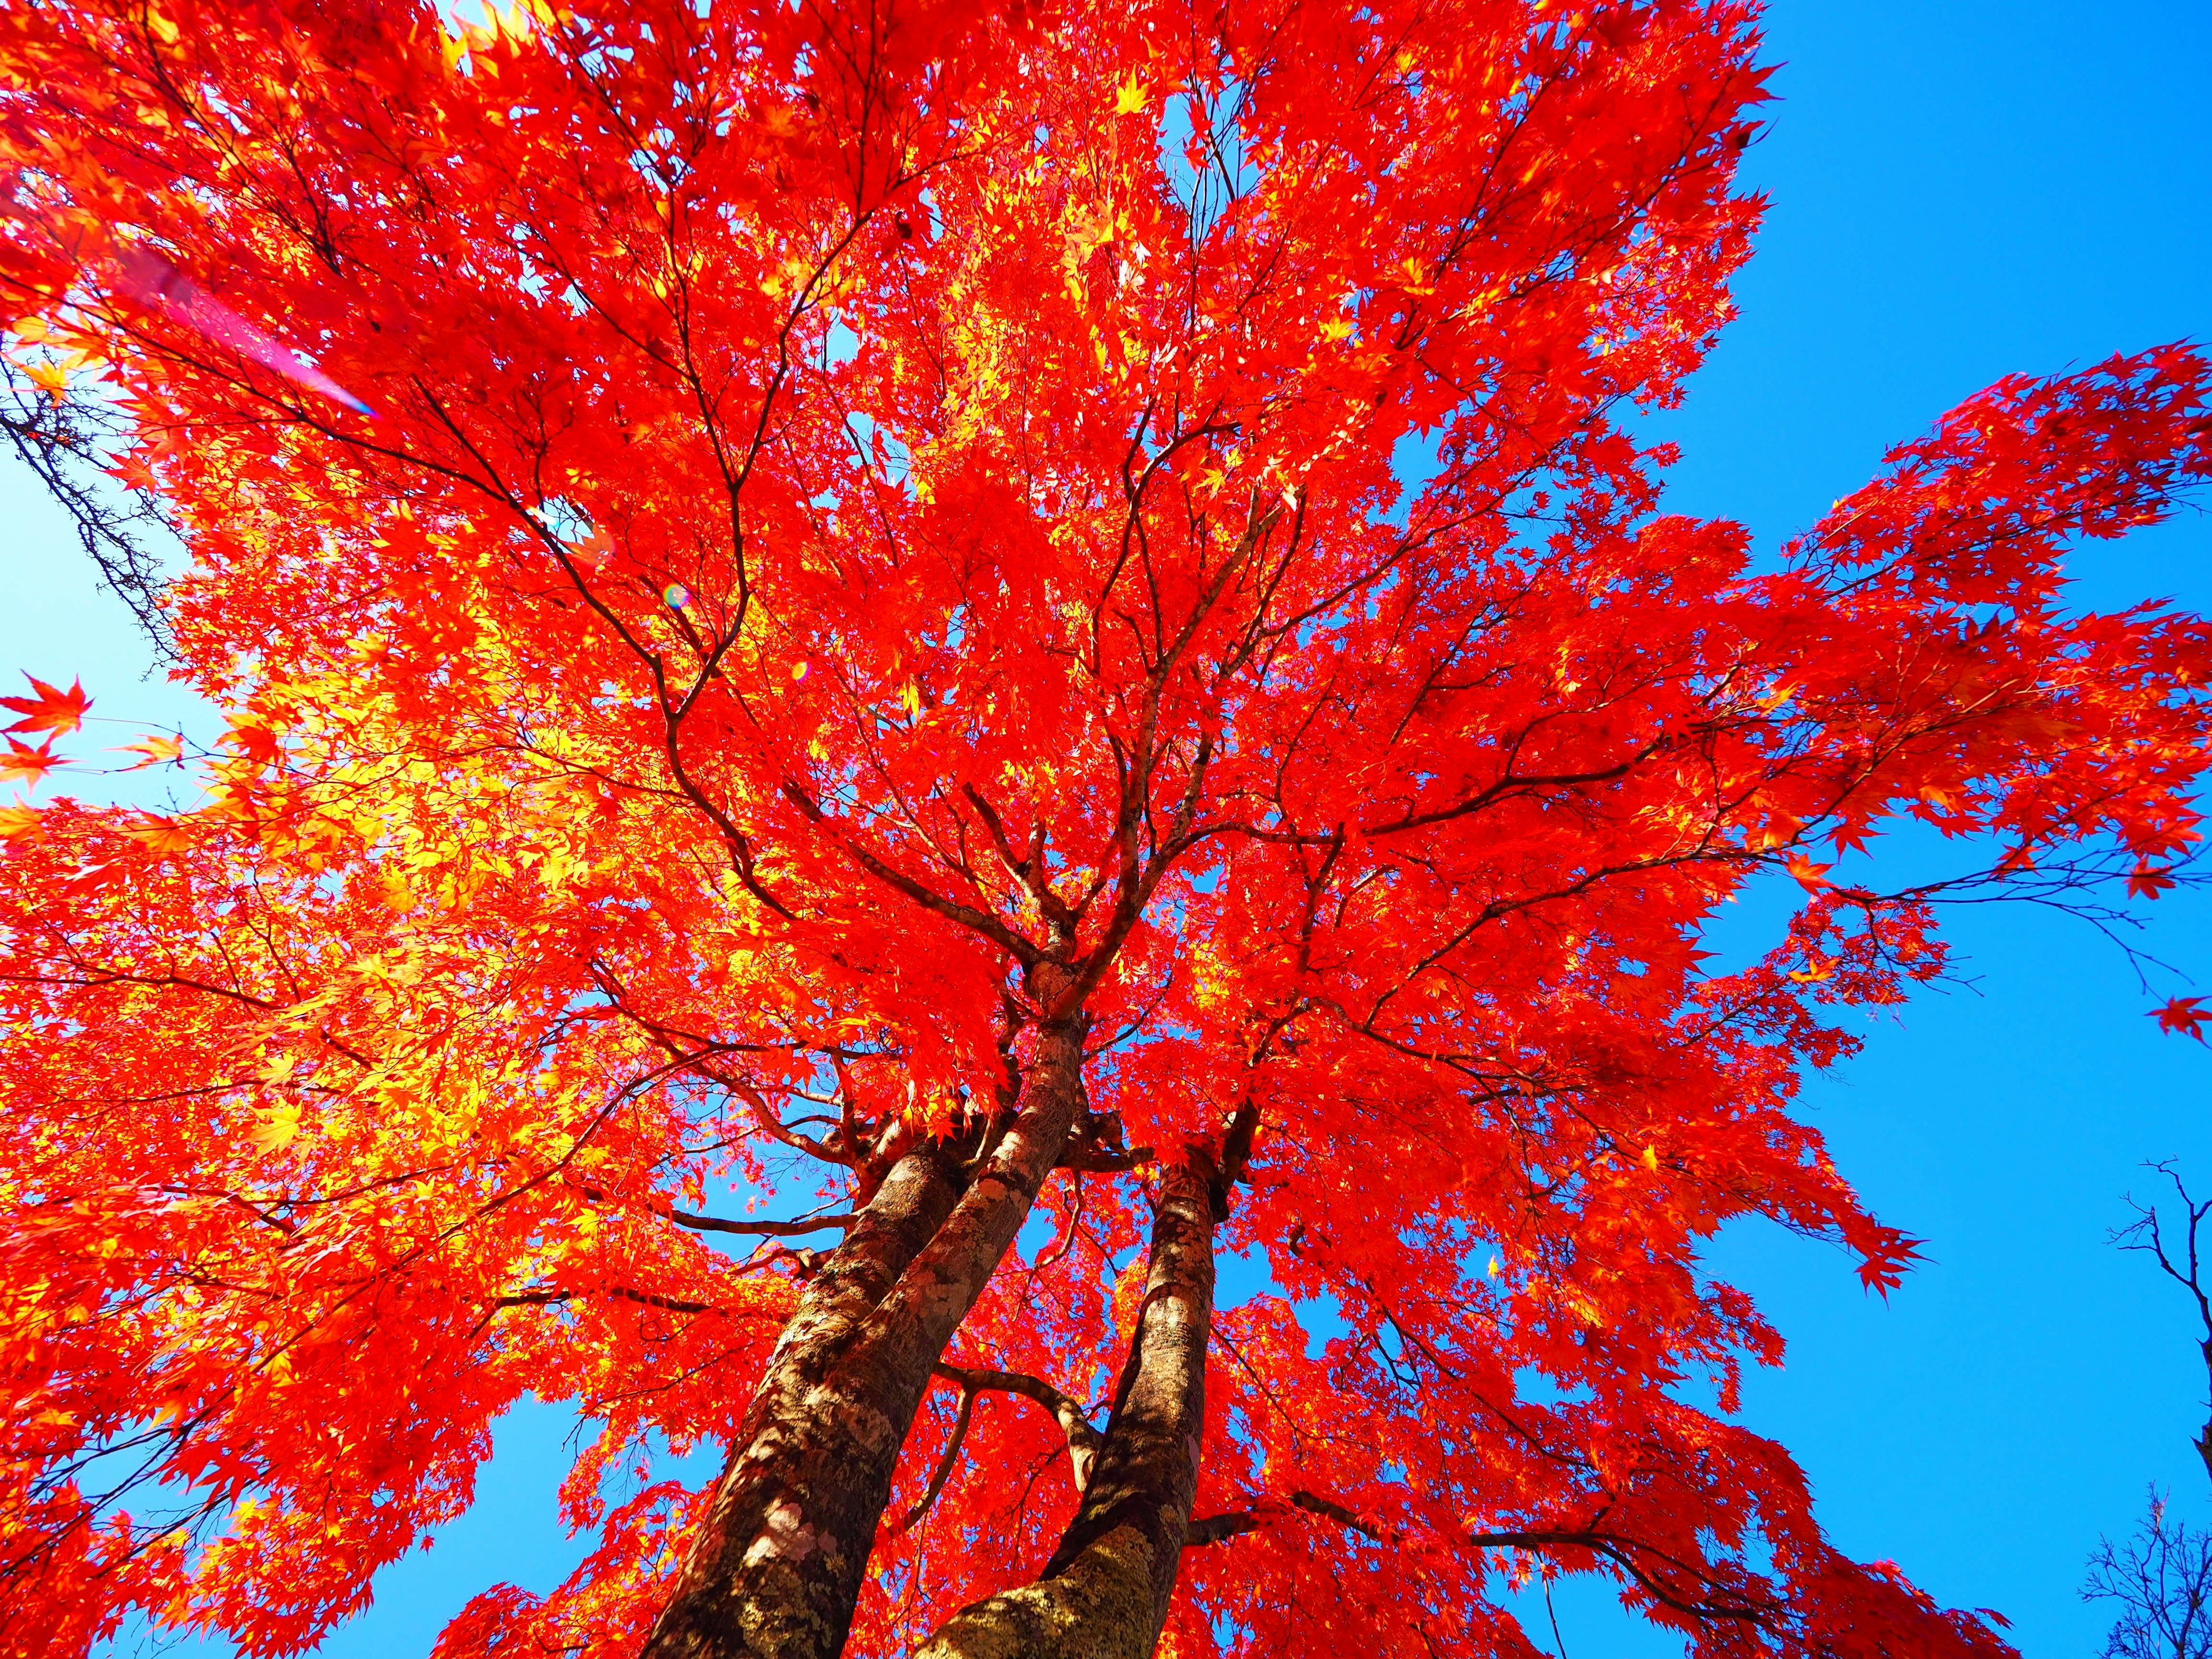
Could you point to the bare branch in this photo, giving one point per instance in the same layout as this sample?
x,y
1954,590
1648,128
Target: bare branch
x,y
2162,1579
709,1223
1083,1440
944,1464
2146,1234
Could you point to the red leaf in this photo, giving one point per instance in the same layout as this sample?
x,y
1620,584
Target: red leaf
x,y
2187,1015
2148,880
51,710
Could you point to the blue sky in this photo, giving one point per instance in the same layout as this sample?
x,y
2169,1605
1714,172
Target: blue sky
x,y
1960,191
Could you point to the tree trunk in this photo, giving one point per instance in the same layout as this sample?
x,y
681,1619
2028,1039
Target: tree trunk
x,y
1104,1593
776,1569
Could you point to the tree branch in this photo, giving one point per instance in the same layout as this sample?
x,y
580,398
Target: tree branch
x,y
1083,1440
944,1464
710,1224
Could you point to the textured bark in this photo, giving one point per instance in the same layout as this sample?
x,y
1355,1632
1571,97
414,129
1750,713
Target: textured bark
x,y
777,1567
1104,1593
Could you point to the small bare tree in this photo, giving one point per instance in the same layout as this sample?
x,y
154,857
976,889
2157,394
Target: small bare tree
x,y
2181,1264
2162,1579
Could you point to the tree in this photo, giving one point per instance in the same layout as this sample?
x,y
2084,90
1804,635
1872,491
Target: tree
x,y
2162,1579
834,619
2179,1262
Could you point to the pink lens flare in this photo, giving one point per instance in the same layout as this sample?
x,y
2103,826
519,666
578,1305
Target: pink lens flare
x,y
154,283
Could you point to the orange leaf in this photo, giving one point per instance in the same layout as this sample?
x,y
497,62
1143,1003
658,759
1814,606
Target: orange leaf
x,y
19,760
1810,876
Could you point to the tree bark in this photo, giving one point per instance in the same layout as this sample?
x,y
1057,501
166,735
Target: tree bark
x,y
776,1569
1104,1593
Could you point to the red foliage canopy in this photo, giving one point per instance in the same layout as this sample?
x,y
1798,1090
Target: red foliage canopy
x,y
822,551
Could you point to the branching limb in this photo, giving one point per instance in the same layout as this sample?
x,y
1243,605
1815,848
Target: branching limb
x,y
621,1292
1083,1440
710,1224
1214,1529
2182,1264
977,921
2162,1579
1626,1554
944,1464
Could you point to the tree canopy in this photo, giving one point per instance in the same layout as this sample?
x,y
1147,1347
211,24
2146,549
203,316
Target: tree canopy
x,y
894,671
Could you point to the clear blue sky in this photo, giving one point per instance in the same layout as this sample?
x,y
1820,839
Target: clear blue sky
x,y
1961,189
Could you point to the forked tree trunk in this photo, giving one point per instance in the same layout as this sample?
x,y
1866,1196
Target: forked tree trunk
x,y
776,1569
1104,1593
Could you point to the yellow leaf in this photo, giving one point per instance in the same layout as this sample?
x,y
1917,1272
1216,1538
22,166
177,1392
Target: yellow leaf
x,y
1651,1159
278,1130
17,819
1130,99
156,749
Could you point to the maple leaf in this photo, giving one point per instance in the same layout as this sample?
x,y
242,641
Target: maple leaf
x,y
278,1129
20,761
51,710
1888,1260
2149,880
133,472
18,820
2187,1015
158,751
254,741
49,378
1810,876
161,833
